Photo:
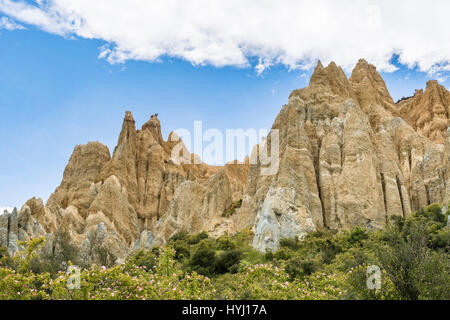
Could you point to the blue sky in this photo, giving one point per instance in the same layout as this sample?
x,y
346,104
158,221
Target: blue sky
x,y
56,92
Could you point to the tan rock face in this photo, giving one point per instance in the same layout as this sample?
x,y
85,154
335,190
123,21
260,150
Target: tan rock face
x,y
81,171
428,112
348,156
143,165
111,201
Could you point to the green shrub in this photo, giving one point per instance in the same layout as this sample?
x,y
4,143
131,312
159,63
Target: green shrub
x,y
353,258
268,256
182,250
434,213
225,244
358,289
441,240
5,259
329,250
283,254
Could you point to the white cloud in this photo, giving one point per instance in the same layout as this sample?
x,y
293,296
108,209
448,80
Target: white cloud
x,y
6,23
235,32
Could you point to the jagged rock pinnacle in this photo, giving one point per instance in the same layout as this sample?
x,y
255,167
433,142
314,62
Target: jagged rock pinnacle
x,y
331,78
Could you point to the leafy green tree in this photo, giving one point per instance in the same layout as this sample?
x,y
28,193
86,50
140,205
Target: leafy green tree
x,y
228,261
299,267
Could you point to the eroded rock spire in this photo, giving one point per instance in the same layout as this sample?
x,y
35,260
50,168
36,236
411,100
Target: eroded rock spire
x,y
428,112
348,157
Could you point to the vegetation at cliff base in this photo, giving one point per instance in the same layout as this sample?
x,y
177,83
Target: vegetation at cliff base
x,y
413,256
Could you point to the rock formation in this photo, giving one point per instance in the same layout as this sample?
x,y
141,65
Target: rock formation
x,y
348,156
118,202
346,159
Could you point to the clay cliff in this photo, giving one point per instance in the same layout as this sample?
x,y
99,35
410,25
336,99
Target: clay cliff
x,y
428,112
348,156
346,159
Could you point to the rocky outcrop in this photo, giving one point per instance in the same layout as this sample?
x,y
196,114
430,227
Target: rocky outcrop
x,y
77,187
103,245
197,206
428,112
447,161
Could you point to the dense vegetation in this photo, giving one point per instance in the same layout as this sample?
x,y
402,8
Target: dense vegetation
x,y
412,253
